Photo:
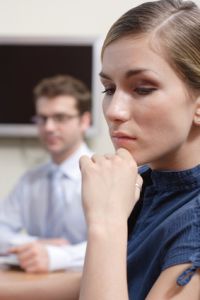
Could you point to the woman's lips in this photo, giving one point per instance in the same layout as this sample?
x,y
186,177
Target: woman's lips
x,y
121,139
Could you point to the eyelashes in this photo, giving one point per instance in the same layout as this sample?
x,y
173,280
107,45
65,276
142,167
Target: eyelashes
x,y
141,91
108,91
144,90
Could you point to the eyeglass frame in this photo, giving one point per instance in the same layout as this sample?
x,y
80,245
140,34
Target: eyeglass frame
x,y
58,119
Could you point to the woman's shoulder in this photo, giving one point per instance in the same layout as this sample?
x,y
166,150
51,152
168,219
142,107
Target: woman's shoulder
x,y
190,211
182,235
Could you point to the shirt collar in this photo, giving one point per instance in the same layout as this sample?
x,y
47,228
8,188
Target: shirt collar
x,y
173,180
70,167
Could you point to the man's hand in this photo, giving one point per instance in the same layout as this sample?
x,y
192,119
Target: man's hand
x,y
54,242
33,257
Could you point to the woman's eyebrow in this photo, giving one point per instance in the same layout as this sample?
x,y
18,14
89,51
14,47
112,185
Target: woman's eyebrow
x,y
135,72
103,75
129,73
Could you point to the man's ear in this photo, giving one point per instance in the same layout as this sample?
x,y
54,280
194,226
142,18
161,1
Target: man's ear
x,y
197,112
85,121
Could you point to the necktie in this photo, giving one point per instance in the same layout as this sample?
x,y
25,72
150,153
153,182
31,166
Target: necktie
x,y
56,207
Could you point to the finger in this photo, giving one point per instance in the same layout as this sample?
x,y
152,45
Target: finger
x,y
84,162
36,265
98,158
109,155
123,153
30,265
18,249
138,187
29,250
139,181
31,259
26,255
13,250
25,259
126,155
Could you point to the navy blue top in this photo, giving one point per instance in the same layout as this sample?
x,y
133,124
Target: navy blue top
x,y
164,228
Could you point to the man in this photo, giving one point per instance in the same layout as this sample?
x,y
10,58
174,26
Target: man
x,y
46,203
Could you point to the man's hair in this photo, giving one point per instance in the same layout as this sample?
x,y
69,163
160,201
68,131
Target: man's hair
x,y
173,26
61,85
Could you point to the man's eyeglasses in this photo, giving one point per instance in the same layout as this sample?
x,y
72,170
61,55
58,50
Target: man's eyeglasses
x,y
58,119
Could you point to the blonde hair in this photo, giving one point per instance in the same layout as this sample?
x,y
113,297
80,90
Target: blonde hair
x,y
175,24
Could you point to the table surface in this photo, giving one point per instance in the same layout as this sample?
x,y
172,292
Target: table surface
x,y
15,284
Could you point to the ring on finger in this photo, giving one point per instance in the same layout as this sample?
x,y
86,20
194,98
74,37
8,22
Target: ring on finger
x,y
138,186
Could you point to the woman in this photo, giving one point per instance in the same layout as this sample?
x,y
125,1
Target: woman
x,y
151,75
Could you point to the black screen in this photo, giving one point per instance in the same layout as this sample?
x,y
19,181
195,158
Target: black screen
x,y
23,66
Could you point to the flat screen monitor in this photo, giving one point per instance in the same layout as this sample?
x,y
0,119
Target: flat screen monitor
x,y
24,61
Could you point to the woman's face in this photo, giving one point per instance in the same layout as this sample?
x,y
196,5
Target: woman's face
x,y
147,106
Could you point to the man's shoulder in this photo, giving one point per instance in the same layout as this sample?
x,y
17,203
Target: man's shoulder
x,y
31,180
36,173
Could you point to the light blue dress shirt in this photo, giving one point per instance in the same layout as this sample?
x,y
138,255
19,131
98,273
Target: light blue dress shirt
x,y
27,205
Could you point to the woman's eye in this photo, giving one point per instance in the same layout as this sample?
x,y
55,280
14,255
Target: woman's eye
x,y
144,90
109,91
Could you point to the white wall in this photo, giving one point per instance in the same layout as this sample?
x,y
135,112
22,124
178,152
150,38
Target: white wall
x,y
90,18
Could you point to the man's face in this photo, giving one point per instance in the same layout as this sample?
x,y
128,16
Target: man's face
x,y
60,126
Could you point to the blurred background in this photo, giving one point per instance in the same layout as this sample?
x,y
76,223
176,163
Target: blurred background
x,y
88,19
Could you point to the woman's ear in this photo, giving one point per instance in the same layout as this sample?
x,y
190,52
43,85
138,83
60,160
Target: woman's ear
x,y
197,112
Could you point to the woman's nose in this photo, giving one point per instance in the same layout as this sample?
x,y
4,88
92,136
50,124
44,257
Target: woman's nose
x,y
117,109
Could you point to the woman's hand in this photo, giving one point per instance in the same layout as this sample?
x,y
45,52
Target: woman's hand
x,y
110,186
